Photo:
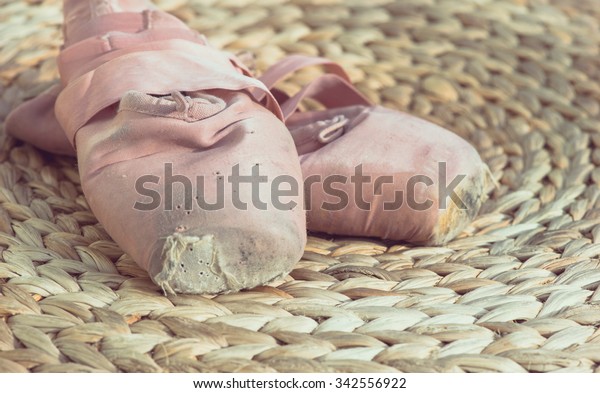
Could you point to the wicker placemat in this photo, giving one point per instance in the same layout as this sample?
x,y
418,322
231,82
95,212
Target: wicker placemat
x,y
518,291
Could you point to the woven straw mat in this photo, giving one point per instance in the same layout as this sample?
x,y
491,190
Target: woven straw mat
x,y
518,291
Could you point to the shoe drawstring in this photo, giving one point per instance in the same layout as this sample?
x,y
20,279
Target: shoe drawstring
x,y
182,102
331,129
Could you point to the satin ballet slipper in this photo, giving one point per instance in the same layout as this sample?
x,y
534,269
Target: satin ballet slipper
x,y
178,160
374,171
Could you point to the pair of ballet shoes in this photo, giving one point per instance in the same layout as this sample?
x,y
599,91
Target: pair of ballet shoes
x,y
162,124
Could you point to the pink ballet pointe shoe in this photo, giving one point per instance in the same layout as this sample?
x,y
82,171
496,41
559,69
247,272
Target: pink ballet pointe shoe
x,y
373,171
178,161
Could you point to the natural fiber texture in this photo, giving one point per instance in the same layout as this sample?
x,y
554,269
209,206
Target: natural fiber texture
x,y
518,291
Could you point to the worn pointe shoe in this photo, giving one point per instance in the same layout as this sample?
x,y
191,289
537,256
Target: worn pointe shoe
x,y
178,161
373,171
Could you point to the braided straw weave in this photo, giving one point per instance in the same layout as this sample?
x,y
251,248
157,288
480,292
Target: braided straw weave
x,y
518,291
